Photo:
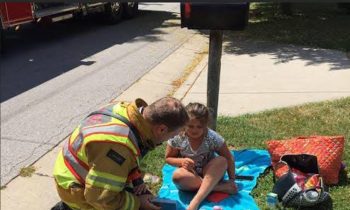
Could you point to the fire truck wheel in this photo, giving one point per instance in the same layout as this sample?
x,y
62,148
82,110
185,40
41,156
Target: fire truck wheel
x,y
114,12
130,9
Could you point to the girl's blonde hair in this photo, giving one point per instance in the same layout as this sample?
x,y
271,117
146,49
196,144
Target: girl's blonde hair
x,y
199,112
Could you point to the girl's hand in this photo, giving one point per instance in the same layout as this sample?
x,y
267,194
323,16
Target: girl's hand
x,y
140,189
187,163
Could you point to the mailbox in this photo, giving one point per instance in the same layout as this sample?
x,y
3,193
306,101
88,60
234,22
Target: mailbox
x,y
229,16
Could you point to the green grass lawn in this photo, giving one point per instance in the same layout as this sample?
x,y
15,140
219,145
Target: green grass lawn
x,y
252,131
315,25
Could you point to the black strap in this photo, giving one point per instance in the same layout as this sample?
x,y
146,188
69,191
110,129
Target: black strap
x,y
127,122
243,177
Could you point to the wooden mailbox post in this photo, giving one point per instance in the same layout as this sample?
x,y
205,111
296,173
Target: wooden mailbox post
x,y
216,18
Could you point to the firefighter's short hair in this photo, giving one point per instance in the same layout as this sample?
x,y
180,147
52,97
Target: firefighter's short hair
x,y
168,111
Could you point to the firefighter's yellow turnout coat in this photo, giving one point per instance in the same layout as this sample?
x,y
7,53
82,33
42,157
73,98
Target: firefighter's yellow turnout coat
x,y
100,160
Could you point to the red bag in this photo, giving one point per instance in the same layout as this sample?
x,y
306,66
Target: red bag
x,y
327,149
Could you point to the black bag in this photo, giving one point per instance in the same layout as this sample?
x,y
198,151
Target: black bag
x,y
61,206
297,186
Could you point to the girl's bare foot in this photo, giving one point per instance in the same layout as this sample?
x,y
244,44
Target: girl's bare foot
x,y
226,187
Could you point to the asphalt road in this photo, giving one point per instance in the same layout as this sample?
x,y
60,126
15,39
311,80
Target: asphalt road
x,y
54,75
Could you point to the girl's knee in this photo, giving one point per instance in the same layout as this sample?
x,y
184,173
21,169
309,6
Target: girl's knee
x,y
176,178
221,161
178,175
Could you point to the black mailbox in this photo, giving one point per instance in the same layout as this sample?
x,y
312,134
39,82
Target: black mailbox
x,y
232,16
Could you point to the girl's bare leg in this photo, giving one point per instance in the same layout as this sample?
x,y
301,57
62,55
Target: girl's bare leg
x,y
186,180
213,172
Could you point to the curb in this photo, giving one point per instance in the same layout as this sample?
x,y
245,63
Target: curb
x,y
28,192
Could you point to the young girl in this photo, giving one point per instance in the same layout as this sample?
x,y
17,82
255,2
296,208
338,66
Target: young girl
x,y
193,152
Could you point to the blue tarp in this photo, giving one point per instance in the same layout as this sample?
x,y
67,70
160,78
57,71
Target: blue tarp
x,y
251,162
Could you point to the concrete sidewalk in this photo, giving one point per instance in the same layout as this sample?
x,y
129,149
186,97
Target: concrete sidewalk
x,y
255,76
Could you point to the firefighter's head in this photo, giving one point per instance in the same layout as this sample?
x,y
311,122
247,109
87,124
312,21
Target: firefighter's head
x,y
167,117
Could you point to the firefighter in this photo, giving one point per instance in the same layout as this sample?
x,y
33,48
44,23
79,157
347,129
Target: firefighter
x,y
98,166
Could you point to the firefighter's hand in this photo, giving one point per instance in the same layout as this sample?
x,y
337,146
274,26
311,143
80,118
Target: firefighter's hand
x,y
146,204
140,189
187,163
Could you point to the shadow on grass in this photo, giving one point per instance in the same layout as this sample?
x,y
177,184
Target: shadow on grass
x,y
344,180
319,27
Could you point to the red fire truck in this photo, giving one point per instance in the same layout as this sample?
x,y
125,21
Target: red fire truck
x,y
15,13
